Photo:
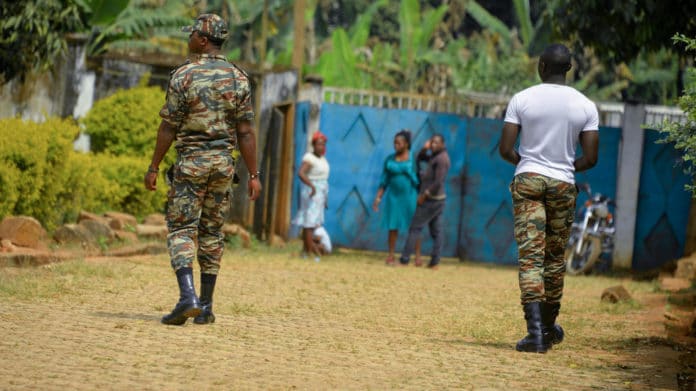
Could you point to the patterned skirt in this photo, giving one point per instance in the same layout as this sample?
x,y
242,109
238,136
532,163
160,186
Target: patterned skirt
x,y
311,213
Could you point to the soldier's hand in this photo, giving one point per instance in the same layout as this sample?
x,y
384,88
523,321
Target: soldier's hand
x,y
151,181
254,189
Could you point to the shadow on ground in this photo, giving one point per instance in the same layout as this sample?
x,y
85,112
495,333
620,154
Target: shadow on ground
x,y
123,315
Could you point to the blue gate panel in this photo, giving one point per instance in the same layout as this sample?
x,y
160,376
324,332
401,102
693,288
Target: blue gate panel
x,y
478,217
486,209
663,204
360,138
602,177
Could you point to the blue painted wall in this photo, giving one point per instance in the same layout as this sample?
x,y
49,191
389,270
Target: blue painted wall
x,y
663,205
478,215
360,138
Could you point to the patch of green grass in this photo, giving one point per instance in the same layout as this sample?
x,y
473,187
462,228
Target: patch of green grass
x,y
233,242
621,307
58,279
240,309
103,243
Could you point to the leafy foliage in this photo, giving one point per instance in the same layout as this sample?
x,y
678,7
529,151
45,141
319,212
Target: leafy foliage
x,y
104,12
125,123
145,23
34,157
32,34
619,31
41,175
339,66
684,135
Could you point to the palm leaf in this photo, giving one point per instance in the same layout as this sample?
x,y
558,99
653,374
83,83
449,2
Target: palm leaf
x,y
431,20
105,12
409,15
525,20
361,29
487,20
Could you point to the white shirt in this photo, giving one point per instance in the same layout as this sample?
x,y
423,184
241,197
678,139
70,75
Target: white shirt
x,y
551,117
323,238
319,169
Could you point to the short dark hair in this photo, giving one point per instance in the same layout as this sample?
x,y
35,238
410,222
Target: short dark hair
x,y
215,41
556,58
440,136
406,135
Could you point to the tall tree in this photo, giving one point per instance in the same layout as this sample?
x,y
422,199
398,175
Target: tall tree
x,y
32,33
619,31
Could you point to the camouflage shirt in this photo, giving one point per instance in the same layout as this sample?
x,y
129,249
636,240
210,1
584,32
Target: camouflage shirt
x,y
206,99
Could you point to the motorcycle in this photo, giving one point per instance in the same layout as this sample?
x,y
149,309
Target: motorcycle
x,y
591,235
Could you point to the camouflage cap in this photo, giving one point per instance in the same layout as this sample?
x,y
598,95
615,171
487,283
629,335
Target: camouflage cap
x,y
210,25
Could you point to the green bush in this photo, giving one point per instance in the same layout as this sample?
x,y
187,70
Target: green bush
x,y
9,180
41,175
124,189
33,158
683,135
126,123
103,182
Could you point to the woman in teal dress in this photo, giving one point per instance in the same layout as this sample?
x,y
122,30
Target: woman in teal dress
x,y
400,183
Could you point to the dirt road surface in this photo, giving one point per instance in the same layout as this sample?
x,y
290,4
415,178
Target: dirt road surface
x,y
348,322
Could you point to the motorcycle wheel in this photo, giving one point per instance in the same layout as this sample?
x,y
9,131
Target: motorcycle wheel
x,y
582,262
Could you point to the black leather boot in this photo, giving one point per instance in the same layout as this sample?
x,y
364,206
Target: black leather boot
x,y
207,288
533,342
188,305
552,332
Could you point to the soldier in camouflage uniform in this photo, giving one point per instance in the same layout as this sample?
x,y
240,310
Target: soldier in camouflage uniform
x,y
208,112
550,118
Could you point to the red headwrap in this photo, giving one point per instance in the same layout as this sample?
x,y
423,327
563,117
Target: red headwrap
x,y
318,135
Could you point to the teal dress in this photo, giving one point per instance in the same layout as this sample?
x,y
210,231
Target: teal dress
x,y
400,182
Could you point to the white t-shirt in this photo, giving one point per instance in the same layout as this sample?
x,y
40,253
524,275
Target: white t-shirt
x,y
324,238
551,117
319,169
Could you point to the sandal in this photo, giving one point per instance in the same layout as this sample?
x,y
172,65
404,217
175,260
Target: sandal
x,y
418,262
390,260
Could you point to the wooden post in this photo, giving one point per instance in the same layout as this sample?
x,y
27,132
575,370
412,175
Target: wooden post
x,y
281,225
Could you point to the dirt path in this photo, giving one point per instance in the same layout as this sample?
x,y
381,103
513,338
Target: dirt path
x,y
345,323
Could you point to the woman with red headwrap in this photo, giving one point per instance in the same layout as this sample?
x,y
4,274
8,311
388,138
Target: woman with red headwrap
x,y
314,174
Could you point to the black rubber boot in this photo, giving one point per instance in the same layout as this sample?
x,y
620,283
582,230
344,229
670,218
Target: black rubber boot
x,y
533,342
207,288
188,305
552,332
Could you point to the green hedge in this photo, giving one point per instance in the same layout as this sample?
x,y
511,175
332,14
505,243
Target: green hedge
x,y
126,123
33,161
41,175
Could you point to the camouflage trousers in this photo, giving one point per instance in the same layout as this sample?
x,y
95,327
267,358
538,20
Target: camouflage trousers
x,y
544,209
197,205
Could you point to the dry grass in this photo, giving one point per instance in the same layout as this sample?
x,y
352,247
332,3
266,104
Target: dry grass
x,y
345,323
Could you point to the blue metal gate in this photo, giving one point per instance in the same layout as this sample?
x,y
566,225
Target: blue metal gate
x,y
663,205
486,209
360,138
478,215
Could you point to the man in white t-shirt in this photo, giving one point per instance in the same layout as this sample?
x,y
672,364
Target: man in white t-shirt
x,y
550,119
